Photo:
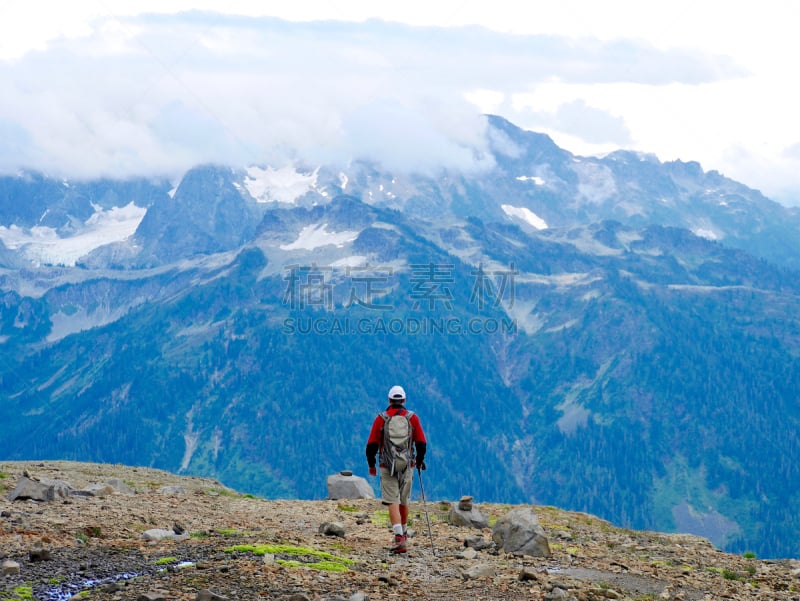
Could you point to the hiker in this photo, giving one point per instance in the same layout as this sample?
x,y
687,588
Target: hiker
x,y
397,435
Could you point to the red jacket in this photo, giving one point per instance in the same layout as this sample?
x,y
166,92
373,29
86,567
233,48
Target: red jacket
x,y
375,440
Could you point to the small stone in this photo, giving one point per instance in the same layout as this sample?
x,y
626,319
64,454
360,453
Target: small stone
x,y
480,570
359,596
39,554
465,503
469,553
345,473
332,529
9,568
269,559
526,574
178,529
207,595
153,596
557,594
298,597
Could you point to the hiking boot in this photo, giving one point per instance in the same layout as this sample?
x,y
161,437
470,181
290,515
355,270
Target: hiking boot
x,y
399,545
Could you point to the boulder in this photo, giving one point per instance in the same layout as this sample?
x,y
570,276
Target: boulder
x,y
519,532
40,490
345,485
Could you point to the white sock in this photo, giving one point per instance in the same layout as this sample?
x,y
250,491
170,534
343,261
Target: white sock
x,y
397,529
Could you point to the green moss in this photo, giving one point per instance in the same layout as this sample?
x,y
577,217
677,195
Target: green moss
x,y
347,508
322,560
199,535
228,531
163,561
381,518
21,593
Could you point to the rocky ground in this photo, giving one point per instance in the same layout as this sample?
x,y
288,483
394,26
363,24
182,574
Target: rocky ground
x,y
235,546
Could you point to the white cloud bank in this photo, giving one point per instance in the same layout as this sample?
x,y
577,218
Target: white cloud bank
x,y
128,95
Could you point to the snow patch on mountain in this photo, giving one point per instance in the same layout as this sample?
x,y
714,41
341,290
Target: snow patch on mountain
x,y
44,246
706,231
317,235
284,184
525,215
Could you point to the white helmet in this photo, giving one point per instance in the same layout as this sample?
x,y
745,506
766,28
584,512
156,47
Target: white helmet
x,y
396,394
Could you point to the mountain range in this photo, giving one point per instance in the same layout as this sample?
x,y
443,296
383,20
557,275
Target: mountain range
x,y
614,335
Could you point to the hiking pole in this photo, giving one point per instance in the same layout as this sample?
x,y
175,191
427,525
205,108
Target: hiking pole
x,y
425,507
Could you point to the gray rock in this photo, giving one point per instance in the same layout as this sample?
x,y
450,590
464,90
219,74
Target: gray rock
x,y
349,487
557,594
172,490
39,554
207,595
153,596
519,532
40,490
469,553
9,568
95,490
477,542
472,518
479,570
332,529
121,486
156,534
359,596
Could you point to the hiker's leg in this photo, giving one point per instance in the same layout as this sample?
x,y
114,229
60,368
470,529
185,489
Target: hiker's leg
x,y
395,517
403,510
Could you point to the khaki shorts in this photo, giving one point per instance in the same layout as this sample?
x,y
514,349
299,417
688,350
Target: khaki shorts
x,y
391,492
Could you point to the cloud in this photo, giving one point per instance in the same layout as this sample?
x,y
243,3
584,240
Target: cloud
x,y
591,125
158,94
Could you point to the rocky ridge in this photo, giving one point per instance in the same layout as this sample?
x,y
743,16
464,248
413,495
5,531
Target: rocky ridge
x,y
142,534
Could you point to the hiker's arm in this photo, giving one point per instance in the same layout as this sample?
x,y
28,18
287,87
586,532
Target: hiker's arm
x,y
374,441
421,448
372,451
420,443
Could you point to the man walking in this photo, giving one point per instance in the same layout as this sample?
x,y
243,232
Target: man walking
x,y
398,437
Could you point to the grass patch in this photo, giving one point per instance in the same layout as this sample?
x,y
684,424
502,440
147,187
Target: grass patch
x,y
165,561
224,492
201,534
301,557
749,555
347,508
19,593
381,518
228,532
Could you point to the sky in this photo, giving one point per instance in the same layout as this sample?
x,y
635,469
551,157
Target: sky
x,y
111,88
